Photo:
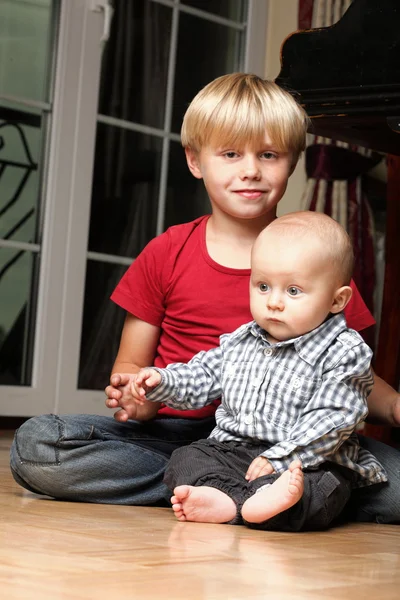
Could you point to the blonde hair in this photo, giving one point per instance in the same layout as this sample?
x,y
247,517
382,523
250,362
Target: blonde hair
x,y
239,108
334,238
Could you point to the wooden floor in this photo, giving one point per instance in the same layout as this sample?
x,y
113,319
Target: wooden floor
x,y
60,550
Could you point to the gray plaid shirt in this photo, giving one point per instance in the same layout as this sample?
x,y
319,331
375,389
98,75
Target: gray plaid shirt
x,y
302,398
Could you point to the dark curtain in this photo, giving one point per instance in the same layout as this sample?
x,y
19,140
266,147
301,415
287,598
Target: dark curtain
x,y
335,171
337,184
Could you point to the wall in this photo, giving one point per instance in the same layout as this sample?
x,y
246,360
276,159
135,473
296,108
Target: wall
x,y
282,20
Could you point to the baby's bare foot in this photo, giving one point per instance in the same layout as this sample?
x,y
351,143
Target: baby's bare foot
x,y
202,504
277,497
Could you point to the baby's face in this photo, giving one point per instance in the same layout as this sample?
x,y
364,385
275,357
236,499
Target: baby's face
x,y
292,286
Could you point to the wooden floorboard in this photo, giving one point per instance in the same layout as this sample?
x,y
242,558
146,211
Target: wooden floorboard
x,y
70,551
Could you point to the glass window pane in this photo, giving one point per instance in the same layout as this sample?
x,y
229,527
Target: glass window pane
x,y
230,9
21,138
135,63
26,53
186,196
25,48
125,191
102,325
214,49
18,270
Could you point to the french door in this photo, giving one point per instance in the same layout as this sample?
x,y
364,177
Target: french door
x,y
92,95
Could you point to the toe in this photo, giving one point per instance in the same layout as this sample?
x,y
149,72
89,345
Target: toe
x,y
182,492
295,464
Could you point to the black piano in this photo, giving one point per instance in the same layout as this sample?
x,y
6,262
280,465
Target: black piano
x,y
347,77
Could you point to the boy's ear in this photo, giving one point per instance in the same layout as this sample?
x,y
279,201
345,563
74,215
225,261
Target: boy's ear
x,y
341,299
192,159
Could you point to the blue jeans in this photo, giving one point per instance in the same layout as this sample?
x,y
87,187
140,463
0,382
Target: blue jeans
x,y
89,458
378,503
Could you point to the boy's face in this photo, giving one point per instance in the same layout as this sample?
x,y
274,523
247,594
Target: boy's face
x,y
244,183
292,288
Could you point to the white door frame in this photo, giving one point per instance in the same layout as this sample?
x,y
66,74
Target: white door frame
x,y
67,186
67,195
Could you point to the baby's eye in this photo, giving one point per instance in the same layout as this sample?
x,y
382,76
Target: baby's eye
x,y
231,154
293,291
263,287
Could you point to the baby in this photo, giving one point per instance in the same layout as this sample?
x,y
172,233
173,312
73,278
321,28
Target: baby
x,y
293,385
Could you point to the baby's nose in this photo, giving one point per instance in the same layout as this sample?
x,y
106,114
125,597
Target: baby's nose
x,y
275,302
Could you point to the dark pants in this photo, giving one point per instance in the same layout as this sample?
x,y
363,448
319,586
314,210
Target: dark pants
x,y
223,465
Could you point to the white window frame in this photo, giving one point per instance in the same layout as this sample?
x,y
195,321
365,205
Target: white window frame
x,y
67,194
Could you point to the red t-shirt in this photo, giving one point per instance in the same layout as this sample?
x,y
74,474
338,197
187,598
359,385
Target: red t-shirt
x,y
175,285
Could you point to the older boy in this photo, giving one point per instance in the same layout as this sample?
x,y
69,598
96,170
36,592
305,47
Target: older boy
x,y
293,385
243,136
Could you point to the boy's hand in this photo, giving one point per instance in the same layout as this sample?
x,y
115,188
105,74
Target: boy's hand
x,y
260,466
119,395
143,382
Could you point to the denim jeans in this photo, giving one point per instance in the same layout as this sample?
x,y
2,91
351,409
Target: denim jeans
x,y
378,503
89,458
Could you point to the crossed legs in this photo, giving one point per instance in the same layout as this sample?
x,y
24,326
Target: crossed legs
x,y
210,505
209,486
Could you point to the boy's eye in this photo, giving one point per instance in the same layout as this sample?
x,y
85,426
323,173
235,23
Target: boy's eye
x,y
263,287
293,291
230,154
268,155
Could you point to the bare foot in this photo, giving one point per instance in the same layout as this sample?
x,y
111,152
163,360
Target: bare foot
x,y
202,504
277,497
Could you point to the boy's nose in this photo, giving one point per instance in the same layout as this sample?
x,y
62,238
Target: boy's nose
x,y
250,169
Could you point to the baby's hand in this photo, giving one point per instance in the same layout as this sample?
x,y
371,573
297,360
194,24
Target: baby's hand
x,y
260,466
143,382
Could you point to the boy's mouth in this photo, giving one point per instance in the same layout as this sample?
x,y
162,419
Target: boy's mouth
x,y
251,193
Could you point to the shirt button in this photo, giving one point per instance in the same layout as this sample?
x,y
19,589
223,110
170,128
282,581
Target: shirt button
x,y
268,352
296,383
248,420
311,433
256,382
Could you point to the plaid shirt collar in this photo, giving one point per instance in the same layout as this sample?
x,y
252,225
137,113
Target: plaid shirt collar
x,y
311,345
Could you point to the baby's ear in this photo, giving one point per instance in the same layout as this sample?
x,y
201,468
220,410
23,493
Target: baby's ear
x,y
341,299
192,158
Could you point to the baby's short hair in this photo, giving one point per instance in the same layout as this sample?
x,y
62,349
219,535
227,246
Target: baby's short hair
x,y
334,238
240,108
